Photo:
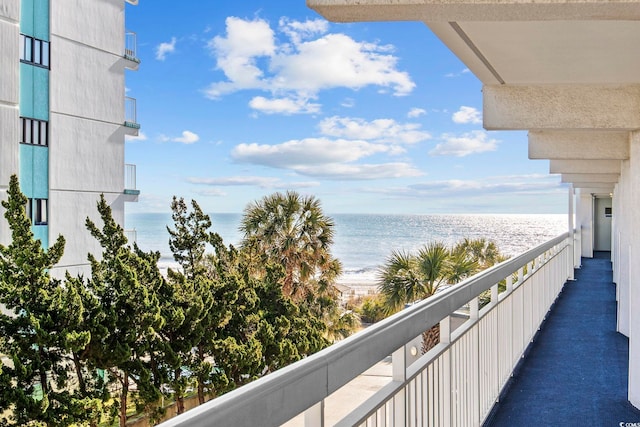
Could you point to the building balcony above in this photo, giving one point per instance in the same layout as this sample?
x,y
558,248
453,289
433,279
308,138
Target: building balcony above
x,y
131,51
133,2
130,188
130,120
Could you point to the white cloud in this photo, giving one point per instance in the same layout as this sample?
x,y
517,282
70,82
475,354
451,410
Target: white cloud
x,y
467,115
165,48
326,158
187,137
253,58
458,74
380,130
479,187
515,184
252,181
297,31
360,172
348,103
464,145
297,153
286,106
416,112
212,192
140,137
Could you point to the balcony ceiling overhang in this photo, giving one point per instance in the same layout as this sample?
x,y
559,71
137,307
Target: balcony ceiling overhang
x,y
585,166
590,177
520,42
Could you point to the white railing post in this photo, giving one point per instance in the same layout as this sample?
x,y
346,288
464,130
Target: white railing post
x,y
572,247
399,374
314,416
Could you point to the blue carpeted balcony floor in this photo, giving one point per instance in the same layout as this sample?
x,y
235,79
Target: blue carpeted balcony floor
x,y
575,372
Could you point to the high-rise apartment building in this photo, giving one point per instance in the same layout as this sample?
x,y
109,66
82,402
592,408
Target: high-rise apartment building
x,y
64,115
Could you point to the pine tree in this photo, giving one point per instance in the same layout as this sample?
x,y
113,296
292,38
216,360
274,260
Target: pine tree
x,y
43,327
125,323
187,300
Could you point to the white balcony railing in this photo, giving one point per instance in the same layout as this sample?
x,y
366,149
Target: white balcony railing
x,y
130,180
455,383
131,47
131,235
130,113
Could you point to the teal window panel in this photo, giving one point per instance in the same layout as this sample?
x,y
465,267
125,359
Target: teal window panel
x,y
40,172
26,170
41,232
41,19
41,93
34,92
34,18
34,171
26,17
26,90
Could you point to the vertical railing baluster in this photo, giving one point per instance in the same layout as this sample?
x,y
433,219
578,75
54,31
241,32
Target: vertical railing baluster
x,y
314,416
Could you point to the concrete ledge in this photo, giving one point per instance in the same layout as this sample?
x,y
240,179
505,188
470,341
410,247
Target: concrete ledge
x,y
585,166
474,10
562,107
579,145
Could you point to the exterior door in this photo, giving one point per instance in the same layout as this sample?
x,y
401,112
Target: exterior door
x,y
602,222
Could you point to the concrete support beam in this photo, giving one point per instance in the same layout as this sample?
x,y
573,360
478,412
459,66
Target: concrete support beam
x,y
472,10
561,107
596,178
579,145
595,188
588,188
585,166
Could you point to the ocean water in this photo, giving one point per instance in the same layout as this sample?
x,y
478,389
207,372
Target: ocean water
x,y
363,242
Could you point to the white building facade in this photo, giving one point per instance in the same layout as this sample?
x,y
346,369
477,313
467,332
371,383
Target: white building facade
x,y
64,116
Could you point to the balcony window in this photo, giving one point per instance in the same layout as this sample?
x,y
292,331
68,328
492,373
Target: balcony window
x,y
38,211
34,51
35,132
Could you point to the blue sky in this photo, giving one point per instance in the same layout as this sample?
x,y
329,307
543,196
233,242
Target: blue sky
x,y
239,99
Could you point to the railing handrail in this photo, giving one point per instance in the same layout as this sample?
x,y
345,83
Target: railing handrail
x,y
277,397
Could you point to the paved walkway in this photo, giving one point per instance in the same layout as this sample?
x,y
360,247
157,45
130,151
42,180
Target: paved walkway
x,y
576,370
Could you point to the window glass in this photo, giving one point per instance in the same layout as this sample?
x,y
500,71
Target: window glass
x,y
37,51
44,133
41,212
22,48
28,132
45,54
36,132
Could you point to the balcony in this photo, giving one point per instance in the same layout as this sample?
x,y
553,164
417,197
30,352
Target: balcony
x,y
133,2
457,382
131,235
130,181
130,50
130,120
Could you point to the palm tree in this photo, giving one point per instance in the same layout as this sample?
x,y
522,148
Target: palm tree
x,y
406,278
291,230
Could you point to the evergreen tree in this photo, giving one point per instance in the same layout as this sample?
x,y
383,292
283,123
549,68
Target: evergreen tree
x,y
187,301
41,330
125,323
